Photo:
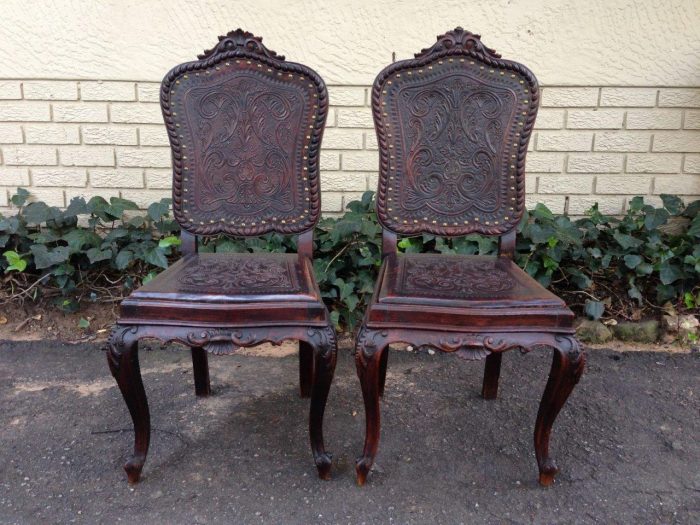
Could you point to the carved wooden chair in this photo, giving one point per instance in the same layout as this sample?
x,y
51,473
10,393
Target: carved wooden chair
x,y
245,131
453,126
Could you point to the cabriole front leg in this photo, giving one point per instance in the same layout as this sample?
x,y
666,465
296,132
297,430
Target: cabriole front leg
x,y
568,363
323,343
123,361
370,360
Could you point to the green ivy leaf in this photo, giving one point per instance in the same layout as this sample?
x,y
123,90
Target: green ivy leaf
x,y
172,240
123,259
149,277
655,218
627,241
45,258
156,257
39,212
117,207
665,292
15,261
96,255
77,206
672,203
644,269
634,293
335,319
632,261
78,238
157,210
83,323
694,228
20,197
669,273
542,212
594,309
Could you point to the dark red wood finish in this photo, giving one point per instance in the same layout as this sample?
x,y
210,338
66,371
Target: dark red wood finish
x,y
453,126
245,130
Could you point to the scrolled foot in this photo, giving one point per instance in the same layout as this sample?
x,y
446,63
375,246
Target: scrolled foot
x,y
323,465
547,472
362,467
133,468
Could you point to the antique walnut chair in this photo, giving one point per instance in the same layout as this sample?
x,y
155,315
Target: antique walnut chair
x,y
245,130
453,126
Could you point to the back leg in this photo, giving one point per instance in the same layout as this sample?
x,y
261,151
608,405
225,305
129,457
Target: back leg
x,y
382,370
492,371
200,364
306,368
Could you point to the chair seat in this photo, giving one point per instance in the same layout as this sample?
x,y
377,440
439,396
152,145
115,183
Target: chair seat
x,y
463,293
228,289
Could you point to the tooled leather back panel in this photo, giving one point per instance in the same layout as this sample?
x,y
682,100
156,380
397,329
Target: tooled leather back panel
x,y
245,130
453,126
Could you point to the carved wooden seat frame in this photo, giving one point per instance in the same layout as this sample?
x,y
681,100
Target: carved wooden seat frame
x,y
296,97
412,200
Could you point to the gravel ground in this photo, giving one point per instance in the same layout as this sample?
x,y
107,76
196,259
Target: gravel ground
x,y
627,442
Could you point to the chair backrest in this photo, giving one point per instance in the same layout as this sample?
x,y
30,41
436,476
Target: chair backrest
x,y
245,130
453,127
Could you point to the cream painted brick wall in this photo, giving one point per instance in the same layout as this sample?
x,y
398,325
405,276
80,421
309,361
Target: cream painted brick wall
x,y
11,134
108,91
155,135
10,89
85,112
117,178
595,119
86,156
624,184
123,135
59,176
14,176
682,141
144,157
679,98
29,155
628,97
692,119
50,90
550,118
139,113
21,111
654,119
52,133
595,163
570,97
564,141
692,164
622,141
679,185
66,138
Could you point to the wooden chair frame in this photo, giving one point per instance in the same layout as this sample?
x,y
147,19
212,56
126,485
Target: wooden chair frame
x,y
239,54
476,336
